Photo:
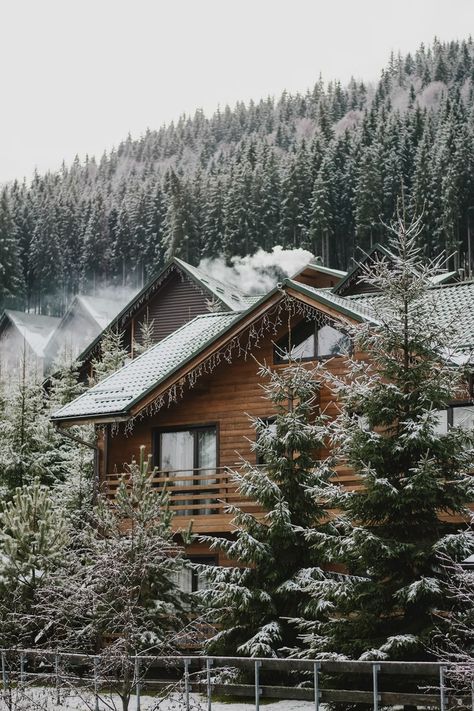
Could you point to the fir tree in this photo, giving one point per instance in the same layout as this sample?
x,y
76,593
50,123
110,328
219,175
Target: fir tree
x,y
410,474
119,582
252,604
113,355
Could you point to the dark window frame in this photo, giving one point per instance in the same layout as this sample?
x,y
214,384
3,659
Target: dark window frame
x,y
281,346
156,444
203,560
270,420
449,409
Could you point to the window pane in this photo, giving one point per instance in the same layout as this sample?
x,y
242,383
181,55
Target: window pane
x,y
463,416
305,349
207,456
332,342
441,426
177,454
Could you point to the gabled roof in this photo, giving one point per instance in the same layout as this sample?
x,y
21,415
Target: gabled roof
x,y
314,266
101,310
114,395
34,328
230,297
451,303
353,275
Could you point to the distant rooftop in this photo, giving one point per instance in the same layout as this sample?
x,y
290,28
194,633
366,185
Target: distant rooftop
x,y
114,395
35,329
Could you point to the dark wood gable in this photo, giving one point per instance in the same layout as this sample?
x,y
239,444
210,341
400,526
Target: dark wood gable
x,y
177,302
170,301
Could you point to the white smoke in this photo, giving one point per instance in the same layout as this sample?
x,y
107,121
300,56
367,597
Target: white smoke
x,y
259,272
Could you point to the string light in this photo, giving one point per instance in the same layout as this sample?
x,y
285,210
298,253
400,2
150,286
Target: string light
x,y
239,347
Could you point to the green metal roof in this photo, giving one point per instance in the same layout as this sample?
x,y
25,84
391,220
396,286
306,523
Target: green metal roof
x,y
450,303
116,394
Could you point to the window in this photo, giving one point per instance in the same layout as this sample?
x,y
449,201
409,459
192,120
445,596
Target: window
x,y
179,453
189,580
461,415
270,431
307,342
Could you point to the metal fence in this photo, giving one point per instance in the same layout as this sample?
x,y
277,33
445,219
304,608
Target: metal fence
x,y
317,682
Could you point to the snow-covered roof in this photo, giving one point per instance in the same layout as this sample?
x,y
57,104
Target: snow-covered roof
x,y
102,310
451,303
229,294
34,328
342,304
337,273
119,391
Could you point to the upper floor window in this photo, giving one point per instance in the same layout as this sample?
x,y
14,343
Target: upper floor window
x,y
307,342
455,416
189,458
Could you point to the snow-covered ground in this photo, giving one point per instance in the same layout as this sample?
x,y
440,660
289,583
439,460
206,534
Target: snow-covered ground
x,y
44,700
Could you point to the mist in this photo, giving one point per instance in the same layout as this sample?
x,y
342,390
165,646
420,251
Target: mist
x,y
259,272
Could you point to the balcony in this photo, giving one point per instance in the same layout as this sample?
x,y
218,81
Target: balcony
x,y
198,495
203,496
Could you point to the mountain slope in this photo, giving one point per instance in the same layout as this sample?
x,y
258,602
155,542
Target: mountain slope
x,y
322,171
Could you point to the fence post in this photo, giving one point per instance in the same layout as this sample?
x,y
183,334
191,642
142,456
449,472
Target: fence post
x,y
317,667
7,696
375,677
22,668
186,683
208,684
137,677
96,684
56,671
257,685
442,690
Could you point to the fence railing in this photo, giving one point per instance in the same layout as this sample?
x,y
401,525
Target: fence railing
x,y
298,679
209,491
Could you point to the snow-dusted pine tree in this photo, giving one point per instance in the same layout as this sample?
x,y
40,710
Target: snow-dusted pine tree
x,y
146,339
33,540
113,355
252,604
414,476
118,592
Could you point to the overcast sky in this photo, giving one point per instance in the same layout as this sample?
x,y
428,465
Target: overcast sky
x,y
78,75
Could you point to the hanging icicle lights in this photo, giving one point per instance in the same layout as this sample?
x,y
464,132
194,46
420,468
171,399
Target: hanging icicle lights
x,y
240,346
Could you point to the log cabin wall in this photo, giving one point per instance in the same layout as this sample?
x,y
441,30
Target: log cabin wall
x,y
224,399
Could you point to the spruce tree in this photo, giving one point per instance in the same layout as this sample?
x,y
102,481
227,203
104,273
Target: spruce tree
x,y
412,477
33,540
113,355
252,602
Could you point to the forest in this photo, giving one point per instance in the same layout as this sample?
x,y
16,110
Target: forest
x,y
321,170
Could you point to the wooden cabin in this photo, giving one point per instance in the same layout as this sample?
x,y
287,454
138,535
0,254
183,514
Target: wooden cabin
x,y
187,399
176,295
23,341
84,320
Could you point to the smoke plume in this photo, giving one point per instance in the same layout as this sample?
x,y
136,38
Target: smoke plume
x,y
259,272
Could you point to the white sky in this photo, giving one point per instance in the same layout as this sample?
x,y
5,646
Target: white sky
x,y
78,75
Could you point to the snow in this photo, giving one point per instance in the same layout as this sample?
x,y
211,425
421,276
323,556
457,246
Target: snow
x,y
43,699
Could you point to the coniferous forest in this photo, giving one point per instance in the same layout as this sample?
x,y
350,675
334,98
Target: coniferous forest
x,y
320,170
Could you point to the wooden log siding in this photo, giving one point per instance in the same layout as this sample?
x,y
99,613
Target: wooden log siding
x,y
224,399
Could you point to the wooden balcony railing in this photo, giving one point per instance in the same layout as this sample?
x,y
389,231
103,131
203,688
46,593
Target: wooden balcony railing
x,y
201,495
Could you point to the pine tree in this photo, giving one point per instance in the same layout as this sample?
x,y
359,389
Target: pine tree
x,y
113,355
11,281
119,582
252,604
410,474
33,541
